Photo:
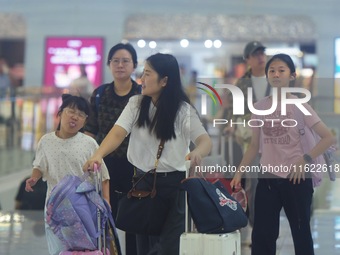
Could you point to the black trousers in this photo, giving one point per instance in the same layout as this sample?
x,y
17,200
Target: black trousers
x,y
168,187
121,172
273,194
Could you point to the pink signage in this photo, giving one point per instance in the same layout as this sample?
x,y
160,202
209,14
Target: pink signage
x,y
64,57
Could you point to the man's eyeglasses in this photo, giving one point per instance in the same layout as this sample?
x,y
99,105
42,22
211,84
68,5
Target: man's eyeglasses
x,y
117,61
71,113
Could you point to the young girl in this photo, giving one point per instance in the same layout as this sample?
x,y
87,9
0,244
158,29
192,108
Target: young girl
x,y
281,146
64,152
162,112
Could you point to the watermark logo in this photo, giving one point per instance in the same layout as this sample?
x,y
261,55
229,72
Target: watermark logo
x,y
238,102
211,94
238,99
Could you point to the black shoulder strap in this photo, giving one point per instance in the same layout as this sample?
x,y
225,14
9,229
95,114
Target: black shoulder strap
x,y
139,89
136,87
100,92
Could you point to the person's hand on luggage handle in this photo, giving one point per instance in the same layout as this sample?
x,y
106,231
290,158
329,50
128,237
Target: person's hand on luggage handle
x,y
89,164
235,183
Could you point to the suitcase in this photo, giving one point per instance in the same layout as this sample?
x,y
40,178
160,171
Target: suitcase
x,y
97,252
222,244
210,244
193,243
102,246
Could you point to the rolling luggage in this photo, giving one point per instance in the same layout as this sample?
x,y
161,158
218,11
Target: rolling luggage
x,y
80,217
210,244
222,244
193,243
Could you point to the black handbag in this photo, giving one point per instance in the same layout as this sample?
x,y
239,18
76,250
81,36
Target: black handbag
x,y
212,208
142,211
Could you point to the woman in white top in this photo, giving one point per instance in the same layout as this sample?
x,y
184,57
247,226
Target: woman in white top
x,y
162,112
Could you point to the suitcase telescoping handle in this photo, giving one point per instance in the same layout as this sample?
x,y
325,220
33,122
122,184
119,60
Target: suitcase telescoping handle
x,y
188,220
189,225
99,189
230,150
230,159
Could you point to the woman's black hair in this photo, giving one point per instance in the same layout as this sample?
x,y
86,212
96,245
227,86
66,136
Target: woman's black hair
x,y
71,101
286,59
169,101
123,46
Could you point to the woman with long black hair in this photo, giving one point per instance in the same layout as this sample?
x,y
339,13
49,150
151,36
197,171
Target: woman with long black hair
x,y
162,112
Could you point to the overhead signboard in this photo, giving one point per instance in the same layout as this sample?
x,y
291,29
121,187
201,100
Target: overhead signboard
x,y
65,55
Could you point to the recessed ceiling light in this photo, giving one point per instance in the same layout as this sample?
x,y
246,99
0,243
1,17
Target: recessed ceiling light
x,y
152,44
141,43
217,44
208,43
184,43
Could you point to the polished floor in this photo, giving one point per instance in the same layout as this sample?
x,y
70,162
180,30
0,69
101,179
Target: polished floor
x,y
326,235
22,233
325,224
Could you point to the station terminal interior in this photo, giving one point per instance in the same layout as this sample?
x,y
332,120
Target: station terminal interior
x,y
37,40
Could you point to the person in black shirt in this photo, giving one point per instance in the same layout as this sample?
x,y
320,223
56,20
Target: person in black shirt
x,y
107,103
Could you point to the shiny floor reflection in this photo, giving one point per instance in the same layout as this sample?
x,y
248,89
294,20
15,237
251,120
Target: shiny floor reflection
x,y
326,234
22,233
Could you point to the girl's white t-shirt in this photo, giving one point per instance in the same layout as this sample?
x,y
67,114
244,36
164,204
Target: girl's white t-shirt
x,y
56,157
